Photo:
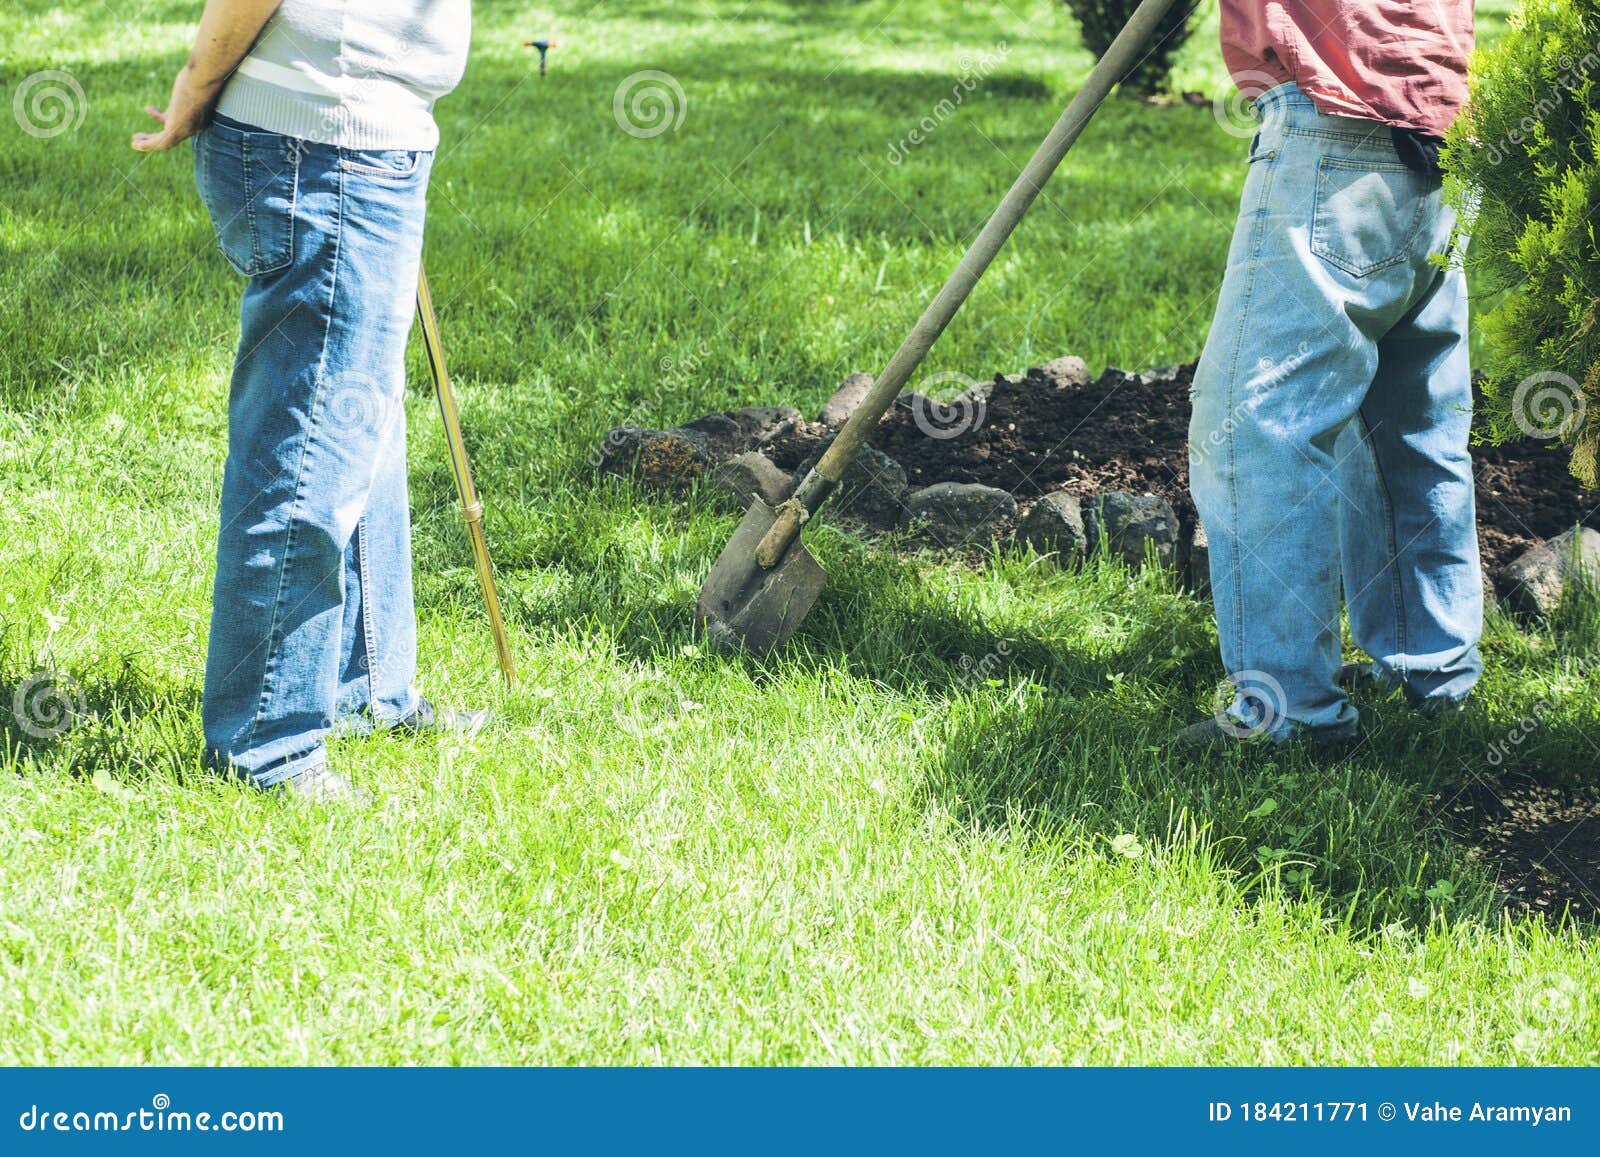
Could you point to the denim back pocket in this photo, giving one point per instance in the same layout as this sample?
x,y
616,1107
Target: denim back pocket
x,y
1367,213
248,182
390,164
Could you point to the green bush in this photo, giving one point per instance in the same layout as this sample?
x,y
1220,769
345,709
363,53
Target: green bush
x,y
1524,158
1101,20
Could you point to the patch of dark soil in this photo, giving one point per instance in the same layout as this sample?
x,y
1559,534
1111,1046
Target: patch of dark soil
x,y
1526,493
1129,432
1543,843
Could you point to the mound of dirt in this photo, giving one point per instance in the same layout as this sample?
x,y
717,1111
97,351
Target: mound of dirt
x,y
1053,428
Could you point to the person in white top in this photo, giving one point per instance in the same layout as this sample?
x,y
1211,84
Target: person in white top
x,y
313,135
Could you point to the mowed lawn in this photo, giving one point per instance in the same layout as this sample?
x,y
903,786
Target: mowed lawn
x,y
939,827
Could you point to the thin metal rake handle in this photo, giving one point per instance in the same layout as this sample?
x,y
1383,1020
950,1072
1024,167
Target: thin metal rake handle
x,y
466,491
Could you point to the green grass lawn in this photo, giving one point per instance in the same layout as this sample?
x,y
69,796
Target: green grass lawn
x,y
940,827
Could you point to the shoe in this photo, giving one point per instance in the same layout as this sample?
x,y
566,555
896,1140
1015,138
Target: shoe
x,y
322,785
1216,735
430,720
1354,675
1223,734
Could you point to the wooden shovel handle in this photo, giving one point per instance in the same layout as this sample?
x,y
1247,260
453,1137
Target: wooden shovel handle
x,y
1119,59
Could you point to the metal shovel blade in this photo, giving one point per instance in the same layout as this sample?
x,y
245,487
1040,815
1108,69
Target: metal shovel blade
x,y
747,605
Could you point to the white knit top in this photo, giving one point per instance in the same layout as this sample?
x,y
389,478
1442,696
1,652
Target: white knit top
x,y
363,74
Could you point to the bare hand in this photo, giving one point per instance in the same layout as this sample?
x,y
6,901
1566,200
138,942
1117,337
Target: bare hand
x,y
184,116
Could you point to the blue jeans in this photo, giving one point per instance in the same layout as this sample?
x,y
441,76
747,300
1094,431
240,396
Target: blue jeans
x,y
312,622
1332,408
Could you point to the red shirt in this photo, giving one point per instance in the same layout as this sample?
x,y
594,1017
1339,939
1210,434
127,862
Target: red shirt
x,y
1401,64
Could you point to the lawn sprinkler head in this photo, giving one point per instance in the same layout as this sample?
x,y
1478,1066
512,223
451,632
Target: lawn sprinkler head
x,y
544,47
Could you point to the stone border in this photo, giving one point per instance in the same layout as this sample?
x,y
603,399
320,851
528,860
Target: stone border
x,y
728,449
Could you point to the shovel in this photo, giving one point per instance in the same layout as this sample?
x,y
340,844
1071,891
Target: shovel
x,y
765,581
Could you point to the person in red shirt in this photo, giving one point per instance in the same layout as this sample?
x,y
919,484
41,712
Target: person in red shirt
x,y
1399,64
1332,404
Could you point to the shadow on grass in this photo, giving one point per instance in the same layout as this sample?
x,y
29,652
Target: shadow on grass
x,y
1410,824
1041,724
126,725
1044,725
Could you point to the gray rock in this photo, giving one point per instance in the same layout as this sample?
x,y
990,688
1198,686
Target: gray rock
x,y
722,434
1163,375
758,424
958,513
662,459
1124,523
1536,581
845,399
872,491
1199,570
976,392
1068,373
1055,526
752,473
